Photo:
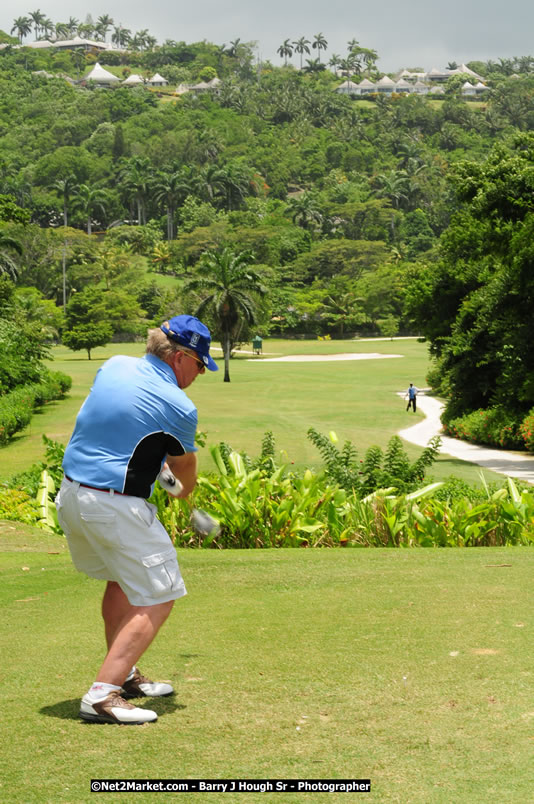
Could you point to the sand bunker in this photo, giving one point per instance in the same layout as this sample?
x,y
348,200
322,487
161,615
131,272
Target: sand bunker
x,y
323,358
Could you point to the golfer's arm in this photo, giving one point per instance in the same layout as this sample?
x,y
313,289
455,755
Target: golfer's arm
x,y
184,467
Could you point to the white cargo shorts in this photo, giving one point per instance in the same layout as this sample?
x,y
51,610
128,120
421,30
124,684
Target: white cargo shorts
x,y
117,537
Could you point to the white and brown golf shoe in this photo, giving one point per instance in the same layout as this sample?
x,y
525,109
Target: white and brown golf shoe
x,y
138,686
114,709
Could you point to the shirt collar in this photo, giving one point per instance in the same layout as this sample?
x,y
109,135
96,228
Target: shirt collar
x,y
161,366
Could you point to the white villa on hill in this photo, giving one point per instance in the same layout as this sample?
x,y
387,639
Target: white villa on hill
x,y
412,83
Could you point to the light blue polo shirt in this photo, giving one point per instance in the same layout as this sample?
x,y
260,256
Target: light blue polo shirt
x,y
134,416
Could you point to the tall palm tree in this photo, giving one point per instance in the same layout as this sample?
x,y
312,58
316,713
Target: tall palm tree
x,y
8,265
37,18
232,49
319,43
135,178
301,46
47,26
61,30
104,22
121,36
231,291
66,188
22,26
394,185
72,26
333,61
169,189
90,201
285,51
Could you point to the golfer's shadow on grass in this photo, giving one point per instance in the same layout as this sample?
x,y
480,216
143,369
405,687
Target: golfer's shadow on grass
x,y
68,710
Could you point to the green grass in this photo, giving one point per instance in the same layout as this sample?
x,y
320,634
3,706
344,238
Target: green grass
x,y
356,398
289,664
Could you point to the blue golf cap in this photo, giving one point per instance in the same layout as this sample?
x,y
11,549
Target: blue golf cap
x,y
190,332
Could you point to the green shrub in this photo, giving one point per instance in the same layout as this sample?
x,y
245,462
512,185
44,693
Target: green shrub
x,y
18,506
17,407
494,426
376,470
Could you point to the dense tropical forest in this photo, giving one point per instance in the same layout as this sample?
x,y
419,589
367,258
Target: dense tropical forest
x,y
318,214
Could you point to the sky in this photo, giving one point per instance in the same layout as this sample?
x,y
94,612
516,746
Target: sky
x,y
418,33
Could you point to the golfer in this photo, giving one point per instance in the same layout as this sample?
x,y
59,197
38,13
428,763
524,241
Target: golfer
x,y
411,395
135,421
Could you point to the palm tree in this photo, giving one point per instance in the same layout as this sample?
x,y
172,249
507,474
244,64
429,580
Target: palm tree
x,y
334,60
104,23
314,66
320,43
66,187
169,189
135,177
61,30
47,26
394,185
37,18
138,41
234,182
370,57
89,201
343,310
23,26
301,46
72,26
232,49
231,290
121,36
304,210
349,66
285,51
7,263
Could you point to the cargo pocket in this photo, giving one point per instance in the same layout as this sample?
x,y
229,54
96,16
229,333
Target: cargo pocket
x,y
163,572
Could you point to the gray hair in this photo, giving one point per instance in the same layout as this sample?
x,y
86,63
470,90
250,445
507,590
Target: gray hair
x,y
161,346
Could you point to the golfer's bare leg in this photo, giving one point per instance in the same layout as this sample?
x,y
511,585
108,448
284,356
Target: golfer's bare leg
x,y
115,605
130,635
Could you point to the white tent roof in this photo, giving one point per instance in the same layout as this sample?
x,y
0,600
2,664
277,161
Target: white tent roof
x,y
420,85
402,83
201,85
386,81
99,74
366,83
215,82
181,89
463,68
348,85
480,85
133,79
157,78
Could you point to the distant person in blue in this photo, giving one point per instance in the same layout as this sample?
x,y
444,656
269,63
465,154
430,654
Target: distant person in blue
x,y
136,420
411,395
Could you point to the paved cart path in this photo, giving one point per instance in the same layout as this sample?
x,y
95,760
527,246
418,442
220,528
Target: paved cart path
x,y
504,462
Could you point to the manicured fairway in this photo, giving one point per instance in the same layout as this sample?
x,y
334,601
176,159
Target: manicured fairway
x,y
358,399
411,667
